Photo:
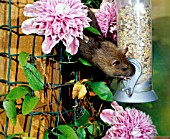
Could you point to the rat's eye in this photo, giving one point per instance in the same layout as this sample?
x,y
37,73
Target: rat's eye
x,y
115,62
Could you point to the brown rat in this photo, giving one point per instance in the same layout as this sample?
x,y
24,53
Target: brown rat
x,y
103,53
106,56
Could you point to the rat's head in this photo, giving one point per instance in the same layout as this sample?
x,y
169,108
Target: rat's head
x,y
121,65
112,61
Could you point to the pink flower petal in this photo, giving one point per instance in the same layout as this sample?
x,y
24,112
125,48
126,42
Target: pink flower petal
x,y
27,26
107,116
106,17
48,44
128,123
29,10
106,0
116,106
57,19
73,47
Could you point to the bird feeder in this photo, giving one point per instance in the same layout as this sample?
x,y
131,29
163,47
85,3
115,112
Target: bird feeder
x,y
135,32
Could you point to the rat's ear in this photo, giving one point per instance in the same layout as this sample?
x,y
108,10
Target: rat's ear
x,y
124,51
115,62
85,38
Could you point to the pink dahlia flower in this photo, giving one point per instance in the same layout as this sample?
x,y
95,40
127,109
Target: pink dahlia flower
x,y
127,124
58,20
107,19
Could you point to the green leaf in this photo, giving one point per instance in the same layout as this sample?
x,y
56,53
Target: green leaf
x,y
45,135
29,138
81,133
67,54
33,77
15,134
29,104
91,129
54,133
67,131
102,90
62,137
84,62
93,30
83,120
18,92
88,2
10,110
23,58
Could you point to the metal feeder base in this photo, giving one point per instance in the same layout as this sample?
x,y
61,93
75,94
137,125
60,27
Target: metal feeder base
x,y
137,97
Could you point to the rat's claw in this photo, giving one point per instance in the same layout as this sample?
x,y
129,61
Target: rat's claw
x,y
126,78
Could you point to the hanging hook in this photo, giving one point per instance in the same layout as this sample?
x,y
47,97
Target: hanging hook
x,y
129,84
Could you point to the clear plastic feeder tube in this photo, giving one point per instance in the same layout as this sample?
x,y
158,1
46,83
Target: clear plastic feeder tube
x,y
135,32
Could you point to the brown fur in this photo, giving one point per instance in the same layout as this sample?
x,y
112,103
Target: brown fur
x,y
103,53
107,57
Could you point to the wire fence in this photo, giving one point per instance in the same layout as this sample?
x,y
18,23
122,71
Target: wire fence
x,y
57,85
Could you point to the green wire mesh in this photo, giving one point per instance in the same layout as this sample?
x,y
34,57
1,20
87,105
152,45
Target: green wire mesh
x,y
12,59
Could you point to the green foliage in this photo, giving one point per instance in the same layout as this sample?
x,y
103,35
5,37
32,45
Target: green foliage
x,y
67,132
11,136
23,58
62,137
95,129
33,77
84,62
92,3
35,81
28,138
102,90
29,103
148,105
69,56
45,134
81,133
18,92
10,109
93,30
83,120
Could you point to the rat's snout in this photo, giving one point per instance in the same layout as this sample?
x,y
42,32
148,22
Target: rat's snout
x,y
130,70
